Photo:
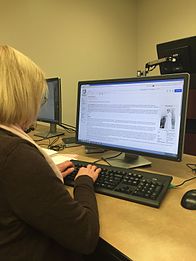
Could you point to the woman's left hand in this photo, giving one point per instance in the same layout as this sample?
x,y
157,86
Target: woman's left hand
x,y
66,168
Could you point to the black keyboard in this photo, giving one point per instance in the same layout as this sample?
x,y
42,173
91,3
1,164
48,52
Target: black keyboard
x,y
129,184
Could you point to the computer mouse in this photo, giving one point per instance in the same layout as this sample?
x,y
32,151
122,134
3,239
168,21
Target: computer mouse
x,y
188,200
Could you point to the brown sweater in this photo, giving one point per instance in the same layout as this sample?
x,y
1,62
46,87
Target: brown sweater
x,y
39,220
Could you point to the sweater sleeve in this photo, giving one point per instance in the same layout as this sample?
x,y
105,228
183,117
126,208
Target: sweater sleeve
x,y
41,200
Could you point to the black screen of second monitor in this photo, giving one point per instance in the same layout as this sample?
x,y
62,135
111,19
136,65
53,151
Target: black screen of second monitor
x,y
50,112
143,116
184,50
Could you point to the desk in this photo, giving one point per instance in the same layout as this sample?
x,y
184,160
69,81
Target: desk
x,y
144,233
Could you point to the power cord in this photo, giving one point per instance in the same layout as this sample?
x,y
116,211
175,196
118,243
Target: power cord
x,y
105,159
180,184
67,127
193,168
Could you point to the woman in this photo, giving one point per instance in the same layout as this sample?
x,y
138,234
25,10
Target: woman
x,y
39,220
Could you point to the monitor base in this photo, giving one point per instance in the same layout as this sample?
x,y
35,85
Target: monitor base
x,y
128,161
47,135
90,149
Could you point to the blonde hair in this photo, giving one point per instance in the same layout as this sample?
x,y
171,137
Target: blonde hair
x,y
22,87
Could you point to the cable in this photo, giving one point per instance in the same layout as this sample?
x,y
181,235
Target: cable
x,y
96,161
189,165
114,156
180,184
67,127
105,159
44,138
57,147
54,141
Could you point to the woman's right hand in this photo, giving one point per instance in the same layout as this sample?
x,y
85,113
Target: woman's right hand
x,y
90,170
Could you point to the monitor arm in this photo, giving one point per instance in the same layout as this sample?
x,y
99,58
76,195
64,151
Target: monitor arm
x,y
152,65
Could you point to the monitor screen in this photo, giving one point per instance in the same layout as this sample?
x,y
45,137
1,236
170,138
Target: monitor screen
x,y
50,111
143,116
183,51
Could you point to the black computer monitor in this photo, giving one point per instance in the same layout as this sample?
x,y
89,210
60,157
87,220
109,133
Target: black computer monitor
x,y
183,50
50,111
140,116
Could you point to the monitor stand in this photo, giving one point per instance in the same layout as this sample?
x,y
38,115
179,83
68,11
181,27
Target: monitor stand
x,y
49,134
127,161
91,149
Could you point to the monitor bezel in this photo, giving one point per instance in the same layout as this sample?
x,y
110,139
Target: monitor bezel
x,y
178,156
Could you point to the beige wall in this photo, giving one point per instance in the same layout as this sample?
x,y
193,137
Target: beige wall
x,y
89,39
161,21
73,39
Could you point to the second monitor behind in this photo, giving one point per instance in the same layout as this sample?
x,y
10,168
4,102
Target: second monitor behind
x,y
51,110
